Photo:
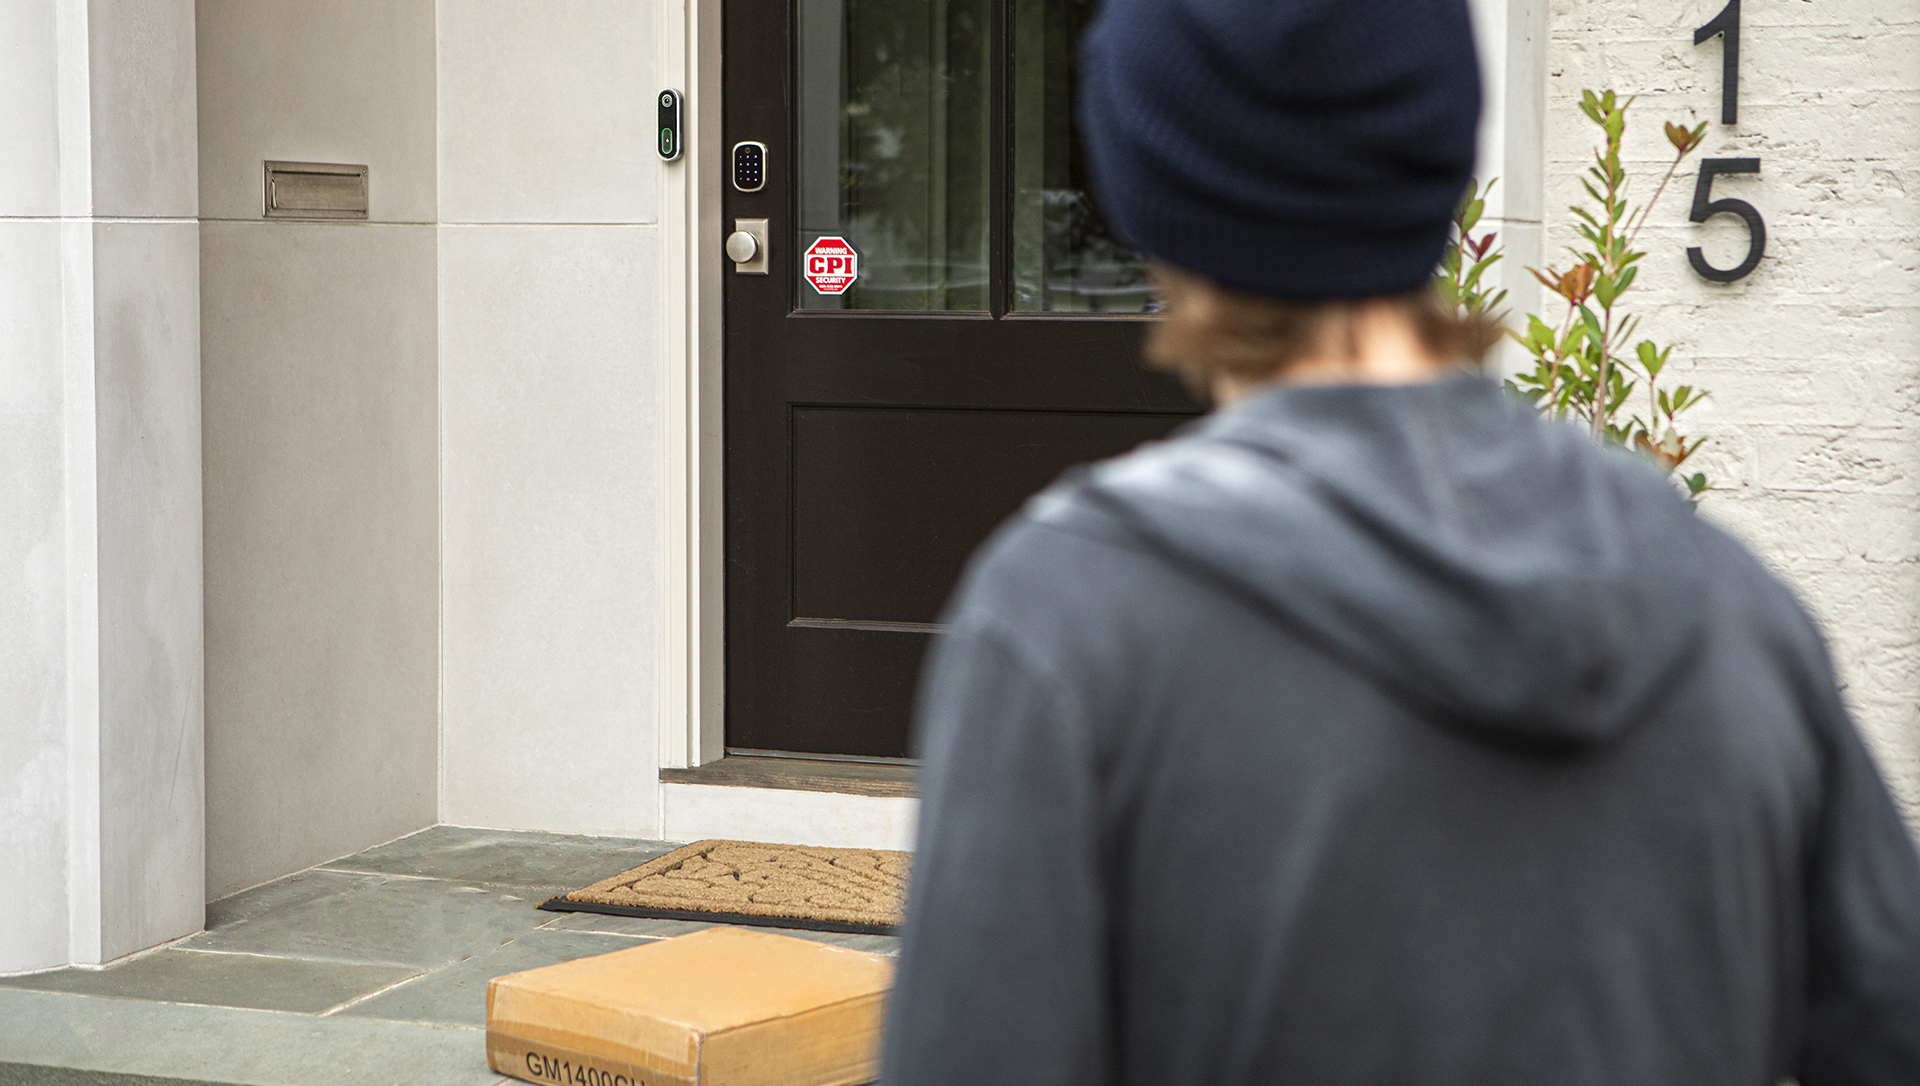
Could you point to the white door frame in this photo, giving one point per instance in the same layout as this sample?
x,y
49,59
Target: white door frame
x,y
690,724
690,557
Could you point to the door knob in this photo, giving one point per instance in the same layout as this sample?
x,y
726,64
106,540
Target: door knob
x,y
747,247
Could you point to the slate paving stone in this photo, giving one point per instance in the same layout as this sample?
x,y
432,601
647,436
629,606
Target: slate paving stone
x,y
223,980
280,894
390,921
505,858
456,994
666,929
623,925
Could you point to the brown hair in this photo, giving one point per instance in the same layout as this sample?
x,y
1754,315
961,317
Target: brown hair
x,y
1207,331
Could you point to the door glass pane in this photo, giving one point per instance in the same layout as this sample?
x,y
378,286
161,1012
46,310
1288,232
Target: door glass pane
x,y
893,149
1064,257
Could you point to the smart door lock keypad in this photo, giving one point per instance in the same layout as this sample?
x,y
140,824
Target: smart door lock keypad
x,y
749,166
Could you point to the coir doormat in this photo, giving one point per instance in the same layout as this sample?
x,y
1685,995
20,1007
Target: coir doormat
x,y
745,882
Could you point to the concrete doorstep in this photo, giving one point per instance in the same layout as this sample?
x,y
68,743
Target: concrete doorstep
x,y
60,1038
371,969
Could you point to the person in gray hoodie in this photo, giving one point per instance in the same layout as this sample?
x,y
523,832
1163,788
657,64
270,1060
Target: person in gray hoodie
x,y
1373,730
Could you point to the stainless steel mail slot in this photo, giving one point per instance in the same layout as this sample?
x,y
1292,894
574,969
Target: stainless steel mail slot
x,y
316,190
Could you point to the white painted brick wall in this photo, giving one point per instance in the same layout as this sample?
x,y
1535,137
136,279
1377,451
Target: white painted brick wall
x,y
1814,359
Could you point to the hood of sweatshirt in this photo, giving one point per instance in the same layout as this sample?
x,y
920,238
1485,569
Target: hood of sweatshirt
x,y
1503,575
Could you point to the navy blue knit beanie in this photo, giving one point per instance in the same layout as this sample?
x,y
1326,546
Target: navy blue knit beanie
x,y
1302,149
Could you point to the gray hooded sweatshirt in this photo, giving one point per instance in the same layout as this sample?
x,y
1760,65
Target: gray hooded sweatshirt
x,y
1393,736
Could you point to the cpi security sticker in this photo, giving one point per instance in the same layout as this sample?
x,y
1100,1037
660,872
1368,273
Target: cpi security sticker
x,y
830,265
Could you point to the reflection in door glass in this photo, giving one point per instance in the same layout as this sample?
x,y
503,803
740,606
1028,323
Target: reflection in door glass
x,y
1064,257
893,148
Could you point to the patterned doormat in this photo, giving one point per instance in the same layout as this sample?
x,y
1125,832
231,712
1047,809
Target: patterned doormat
x,y
745,882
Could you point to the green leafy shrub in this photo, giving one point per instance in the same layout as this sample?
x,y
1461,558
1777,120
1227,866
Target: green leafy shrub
x,y
1587,365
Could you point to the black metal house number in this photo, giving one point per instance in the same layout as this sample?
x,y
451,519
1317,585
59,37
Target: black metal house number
x,y
1727,26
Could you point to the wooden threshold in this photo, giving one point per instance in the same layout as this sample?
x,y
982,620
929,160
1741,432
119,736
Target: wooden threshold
x,y
802,775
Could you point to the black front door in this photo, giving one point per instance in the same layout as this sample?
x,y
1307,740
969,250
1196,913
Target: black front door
x,y
964,330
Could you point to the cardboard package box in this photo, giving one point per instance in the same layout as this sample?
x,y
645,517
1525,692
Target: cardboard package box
x,y
719,1007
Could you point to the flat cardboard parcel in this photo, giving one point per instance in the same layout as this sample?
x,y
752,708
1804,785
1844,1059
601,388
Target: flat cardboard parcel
x,y
719,1007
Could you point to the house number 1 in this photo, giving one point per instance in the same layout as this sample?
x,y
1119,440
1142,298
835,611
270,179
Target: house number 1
x,y
1727,26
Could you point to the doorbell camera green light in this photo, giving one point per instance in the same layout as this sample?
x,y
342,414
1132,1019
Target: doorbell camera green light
x,y
669,114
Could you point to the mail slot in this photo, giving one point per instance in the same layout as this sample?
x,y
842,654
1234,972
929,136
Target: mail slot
x,y
316,190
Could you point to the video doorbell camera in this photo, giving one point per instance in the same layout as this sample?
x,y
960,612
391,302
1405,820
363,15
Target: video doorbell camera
x,y
669,113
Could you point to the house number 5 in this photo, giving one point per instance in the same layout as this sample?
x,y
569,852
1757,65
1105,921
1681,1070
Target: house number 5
x,y
1727,26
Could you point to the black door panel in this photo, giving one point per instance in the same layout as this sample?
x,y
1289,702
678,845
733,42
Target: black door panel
x,y
888,502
